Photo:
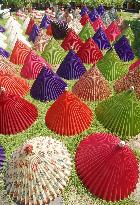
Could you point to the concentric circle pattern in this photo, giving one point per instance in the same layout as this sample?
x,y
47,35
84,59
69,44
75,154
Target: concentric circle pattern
x,y
16,114
19,53
38,171
6,67
68,115
120,114
14,84
72,41
89,52
108,170
48,86
33,65
71,67
87,32
92,86
2,156
54,53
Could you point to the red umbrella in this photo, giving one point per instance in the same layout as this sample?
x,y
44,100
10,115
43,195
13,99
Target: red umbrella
x,y
30,26
19,53
107,167
33,65
14,84
89,52
84,19
97,24
68,115
72,41
16,114
113,31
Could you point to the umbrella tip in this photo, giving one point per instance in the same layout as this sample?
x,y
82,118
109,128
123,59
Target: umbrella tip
x,y
121,144
28,149
66,88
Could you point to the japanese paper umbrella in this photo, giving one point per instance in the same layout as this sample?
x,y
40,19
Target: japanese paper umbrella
x,y
14,84
16,113
92,86
120,114
2,156
106,166
6,67
68,115
38,171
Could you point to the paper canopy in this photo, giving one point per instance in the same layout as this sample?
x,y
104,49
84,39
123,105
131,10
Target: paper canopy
x,y
123,49
16,114
30,26
59,29
72,41
84,10
106,166
34,33
54,53
97,24
120,114
6,67
4,53
93,15
101,10
86,32
48,86
2,156
101,39
68,115
14,84
92,86
112,67
71,67
113,31
85,19
19,53
46,21
89,52
33,65
45,163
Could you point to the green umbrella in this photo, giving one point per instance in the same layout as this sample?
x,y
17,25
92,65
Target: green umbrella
x,y
54,53
120,114
86,32
112,67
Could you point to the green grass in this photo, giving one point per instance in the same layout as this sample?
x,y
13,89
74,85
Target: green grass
x,y
12,142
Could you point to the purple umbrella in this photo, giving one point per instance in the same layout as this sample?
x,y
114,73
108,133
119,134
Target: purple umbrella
x,y
46,21
4,53
48,86
123,49
84,10
34,33
100,10
101,39
93,15
71,67
2,156
2,30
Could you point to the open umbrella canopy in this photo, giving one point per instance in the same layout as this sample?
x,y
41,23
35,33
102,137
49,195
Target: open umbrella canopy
x,y
93,15
16,113
2,156
106,166
71,67
113,31
34,33
89,52
19,53
84,10
106,19
14,84
30,26
33,65
120,114
46,21
97,24
92,86
101,10
54,53
68,115
48,86
85,19
72,41
86,32
45,163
